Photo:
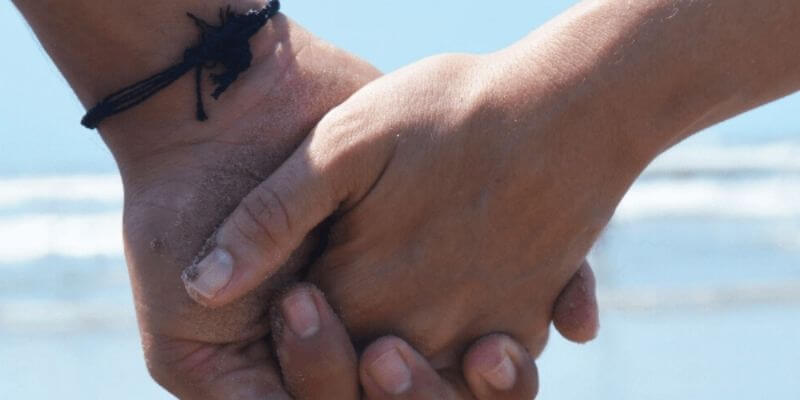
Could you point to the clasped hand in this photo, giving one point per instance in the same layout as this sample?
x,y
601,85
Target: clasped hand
x,y
447,220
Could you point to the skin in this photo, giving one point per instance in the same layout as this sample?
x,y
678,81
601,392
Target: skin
x,y
476,168
323,364
182,177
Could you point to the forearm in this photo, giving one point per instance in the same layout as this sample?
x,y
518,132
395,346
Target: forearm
x,y
651,73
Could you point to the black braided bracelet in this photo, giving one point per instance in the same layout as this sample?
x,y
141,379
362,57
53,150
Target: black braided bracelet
x,y
227,45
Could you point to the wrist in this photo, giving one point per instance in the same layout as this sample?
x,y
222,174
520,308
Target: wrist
x,y
102,46
576,68
167,121
578,131
120,44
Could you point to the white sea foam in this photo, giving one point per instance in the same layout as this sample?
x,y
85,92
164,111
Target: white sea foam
x,y
100,188
774,157
30,237
33,235
728,296
777,197
777,157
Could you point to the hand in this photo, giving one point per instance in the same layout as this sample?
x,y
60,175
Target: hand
x,y
318,361
192,175
451,220
181,177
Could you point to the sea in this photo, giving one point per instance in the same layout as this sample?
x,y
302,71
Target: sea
x,y
699,276
699,271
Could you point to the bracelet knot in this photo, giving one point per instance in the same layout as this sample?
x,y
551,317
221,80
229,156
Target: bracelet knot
x,y
225,46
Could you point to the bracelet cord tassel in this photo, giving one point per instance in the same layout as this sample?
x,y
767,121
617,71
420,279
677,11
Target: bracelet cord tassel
x,y
226,45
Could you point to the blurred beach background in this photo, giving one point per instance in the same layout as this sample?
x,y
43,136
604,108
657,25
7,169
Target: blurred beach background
x,y
699,271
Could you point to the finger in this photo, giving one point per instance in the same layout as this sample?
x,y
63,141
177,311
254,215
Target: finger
x,y
263,231
576,314
248,383
496,367
316,356
191,370
391,370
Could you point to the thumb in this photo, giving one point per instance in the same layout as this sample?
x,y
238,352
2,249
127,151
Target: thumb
x,y
263,231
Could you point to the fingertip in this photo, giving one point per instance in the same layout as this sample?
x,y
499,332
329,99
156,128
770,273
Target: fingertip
x,y
391,369
385,368
205,279
492,361
498,367
223,276
314,350
305,312
576,314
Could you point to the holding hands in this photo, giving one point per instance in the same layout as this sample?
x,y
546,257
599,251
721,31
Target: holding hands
x,y
177,196
317,361
448,221
395,262
452,200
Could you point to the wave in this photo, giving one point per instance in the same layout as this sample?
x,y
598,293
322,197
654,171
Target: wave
x,y
31,237
716,297
777,197
779,158
15,192
35,233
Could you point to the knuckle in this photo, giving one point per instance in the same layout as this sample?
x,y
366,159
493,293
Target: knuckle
x,y
340,137
157,373
379,347
183,375
355,150
263,218
163,375
348,130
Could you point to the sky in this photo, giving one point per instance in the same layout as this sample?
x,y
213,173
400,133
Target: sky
x,y
40,132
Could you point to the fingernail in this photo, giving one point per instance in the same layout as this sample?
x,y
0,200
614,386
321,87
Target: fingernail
x,y
503,375
301,313
391,372
210,275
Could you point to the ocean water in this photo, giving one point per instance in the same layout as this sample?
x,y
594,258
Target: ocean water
x,y
699,279
699,271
